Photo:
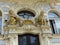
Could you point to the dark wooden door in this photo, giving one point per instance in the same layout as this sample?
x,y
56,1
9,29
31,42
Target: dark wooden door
x,y
28,39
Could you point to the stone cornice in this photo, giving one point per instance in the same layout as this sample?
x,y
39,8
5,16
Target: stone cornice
x,y
46,1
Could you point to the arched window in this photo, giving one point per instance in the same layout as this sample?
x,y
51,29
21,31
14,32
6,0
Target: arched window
x,y
53,17
26,14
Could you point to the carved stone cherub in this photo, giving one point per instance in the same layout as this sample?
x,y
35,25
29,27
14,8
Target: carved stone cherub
x,y
12,19
41,19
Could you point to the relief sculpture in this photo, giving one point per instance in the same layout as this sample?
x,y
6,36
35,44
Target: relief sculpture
x,y
12,19
41,19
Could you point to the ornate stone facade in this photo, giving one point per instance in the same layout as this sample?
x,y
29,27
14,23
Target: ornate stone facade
x,y
14,25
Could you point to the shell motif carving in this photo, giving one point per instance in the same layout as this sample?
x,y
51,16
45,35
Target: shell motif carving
x,y
27,22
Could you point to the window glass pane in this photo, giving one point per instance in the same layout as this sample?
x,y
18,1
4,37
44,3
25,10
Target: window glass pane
x,y
26,14
2,42
23,40
58,26
33,40
52,15
57,23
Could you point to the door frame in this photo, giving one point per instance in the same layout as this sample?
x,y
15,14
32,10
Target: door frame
x,y
38,35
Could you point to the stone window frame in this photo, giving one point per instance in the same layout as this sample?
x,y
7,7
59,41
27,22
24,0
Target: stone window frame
x,y
57,13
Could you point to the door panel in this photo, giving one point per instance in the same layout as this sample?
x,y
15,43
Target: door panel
x,y
28,39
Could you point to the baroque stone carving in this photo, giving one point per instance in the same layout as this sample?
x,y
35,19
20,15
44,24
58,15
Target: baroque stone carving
x,y
12,19
41,19
27,22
